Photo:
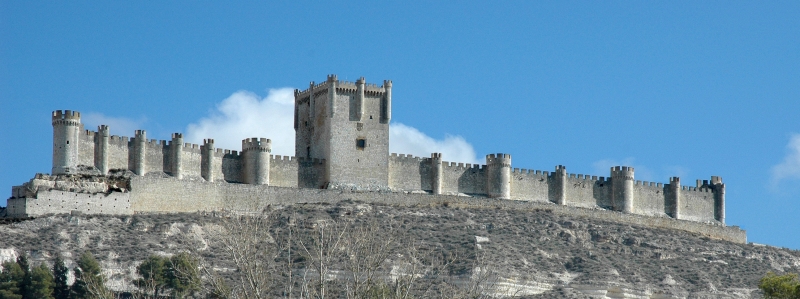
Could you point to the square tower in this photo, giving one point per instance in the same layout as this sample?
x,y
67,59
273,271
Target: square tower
x,y
347,125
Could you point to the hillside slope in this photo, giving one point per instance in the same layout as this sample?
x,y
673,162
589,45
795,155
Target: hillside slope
x,y
535,253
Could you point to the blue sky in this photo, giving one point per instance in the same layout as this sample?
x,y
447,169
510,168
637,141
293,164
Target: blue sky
x,y
689,89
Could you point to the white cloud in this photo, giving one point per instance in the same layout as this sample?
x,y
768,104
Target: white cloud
x,y
789,168
117,125
408,140
245,114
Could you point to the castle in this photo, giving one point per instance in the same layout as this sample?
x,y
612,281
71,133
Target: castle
x,y
341,145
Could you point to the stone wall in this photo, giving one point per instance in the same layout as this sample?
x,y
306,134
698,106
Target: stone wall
x,y
283,171
463,178
347,161
86,148
173,195
697,204
404,173
191,159
156,156
649,199
530,185
227,165
59,202
119,148
409,173
583,191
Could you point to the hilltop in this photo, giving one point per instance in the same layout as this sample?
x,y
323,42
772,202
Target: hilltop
x,y
535,253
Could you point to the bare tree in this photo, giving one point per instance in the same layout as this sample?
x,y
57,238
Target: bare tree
x,y
308,257
366,248
321,247
247,241
95,288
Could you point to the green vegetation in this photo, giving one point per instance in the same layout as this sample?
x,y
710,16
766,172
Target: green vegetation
x,y
10,281
162,277
176,275
89,281
19,280
41,283
777,286
60,273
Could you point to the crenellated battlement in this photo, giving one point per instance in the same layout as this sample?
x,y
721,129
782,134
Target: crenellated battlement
x,y
500,159
257,144
344,87
67,117
622,172
584,177
530,172
353,154
648,184
155,143
406,157
119,140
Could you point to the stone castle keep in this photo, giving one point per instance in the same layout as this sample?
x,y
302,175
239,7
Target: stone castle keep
x,y
341,151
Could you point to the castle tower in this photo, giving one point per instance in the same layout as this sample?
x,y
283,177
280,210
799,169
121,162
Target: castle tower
x,y
359,113
176,155
673,197
256,160
101,149
560,184
347,125
140,152
66,131
622,188
719,198
436,172
386,114
207,160
498,175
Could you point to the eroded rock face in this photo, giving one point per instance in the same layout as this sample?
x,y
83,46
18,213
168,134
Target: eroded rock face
x,y
85,182
536,254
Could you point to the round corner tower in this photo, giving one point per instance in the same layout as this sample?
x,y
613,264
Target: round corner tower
x,y
256,163
622,188
437,172
498,184
673,196
101,149
66,131
719,198
559,177
207,160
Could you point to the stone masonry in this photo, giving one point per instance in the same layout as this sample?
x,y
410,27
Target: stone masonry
x,y
341,143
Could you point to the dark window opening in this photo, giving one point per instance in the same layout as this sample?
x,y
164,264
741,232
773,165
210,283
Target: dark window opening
x,y
308,152
361,144
67,141
370,117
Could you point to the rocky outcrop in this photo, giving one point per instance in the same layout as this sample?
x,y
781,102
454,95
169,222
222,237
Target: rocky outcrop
x,y
535,253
